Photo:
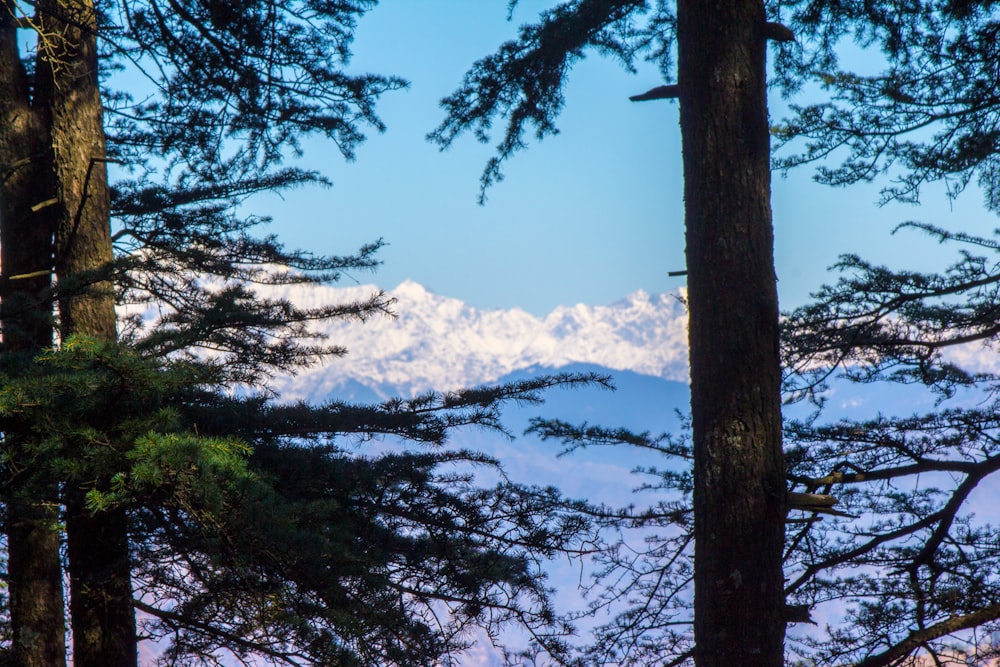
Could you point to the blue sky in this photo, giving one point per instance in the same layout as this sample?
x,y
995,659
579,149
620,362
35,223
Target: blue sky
x,y
589,216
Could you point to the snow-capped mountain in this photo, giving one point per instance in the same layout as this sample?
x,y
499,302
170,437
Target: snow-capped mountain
x,y
443,343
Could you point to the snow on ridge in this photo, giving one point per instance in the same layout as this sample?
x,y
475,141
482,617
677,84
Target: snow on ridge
x,y
438,342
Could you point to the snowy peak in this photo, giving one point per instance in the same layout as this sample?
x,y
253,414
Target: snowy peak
x,y
437,342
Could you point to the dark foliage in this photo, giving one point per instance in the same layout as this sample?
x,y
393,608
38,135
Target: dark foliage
x,y
522,82
914,564
922,107
203,102
256,529
877,323
902,569
738,484
261,530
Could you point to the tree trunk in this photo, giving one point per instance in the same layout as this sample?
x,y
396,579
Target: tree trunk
x,y
739,491
100,587
34,567
101,611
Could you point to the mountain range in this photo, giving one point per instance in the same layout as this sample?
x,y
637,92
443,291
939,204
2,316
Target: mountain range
x,y
436,342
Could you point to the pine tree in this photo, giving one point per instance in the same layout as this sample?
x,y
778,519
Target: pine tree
x,y
925,588
234,89
884,542
883,538
58,102
739,489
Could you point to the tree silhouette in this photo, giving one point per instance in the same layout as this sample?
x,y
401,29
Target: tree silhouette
x,y
197,103
738,482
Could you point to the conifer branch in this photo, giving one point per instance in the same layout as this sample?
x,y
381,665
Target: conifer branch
x,y
778,32
671,91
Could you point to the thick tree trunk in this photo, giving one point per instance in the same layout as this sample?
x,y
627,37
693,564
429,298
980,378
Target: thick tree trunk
x,y
739,492
100,587
34,568
101,611
35,577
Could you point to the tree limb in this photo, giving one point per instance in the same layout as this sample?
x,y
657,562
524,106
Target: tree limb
x,y
920,637
659,93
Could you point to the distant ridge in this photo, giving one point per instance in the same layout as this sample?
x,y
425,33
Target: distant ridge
x,y
437,342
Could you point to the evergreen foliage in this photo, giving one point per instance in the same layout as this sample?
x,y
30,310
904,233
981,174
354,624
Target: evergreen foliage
x,y
903,571
258,531
922,576
256,534
737,492
522,81
922,108
252,528
900,569
916,567
227,94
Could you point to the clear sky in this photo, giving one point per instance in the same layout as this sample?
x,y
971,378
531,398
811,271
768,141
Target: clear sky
x,y
590,215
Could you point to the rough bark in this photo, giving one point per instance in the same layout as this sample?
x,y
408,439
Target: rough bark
x,y
100,587
34,568
101,611
739,491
